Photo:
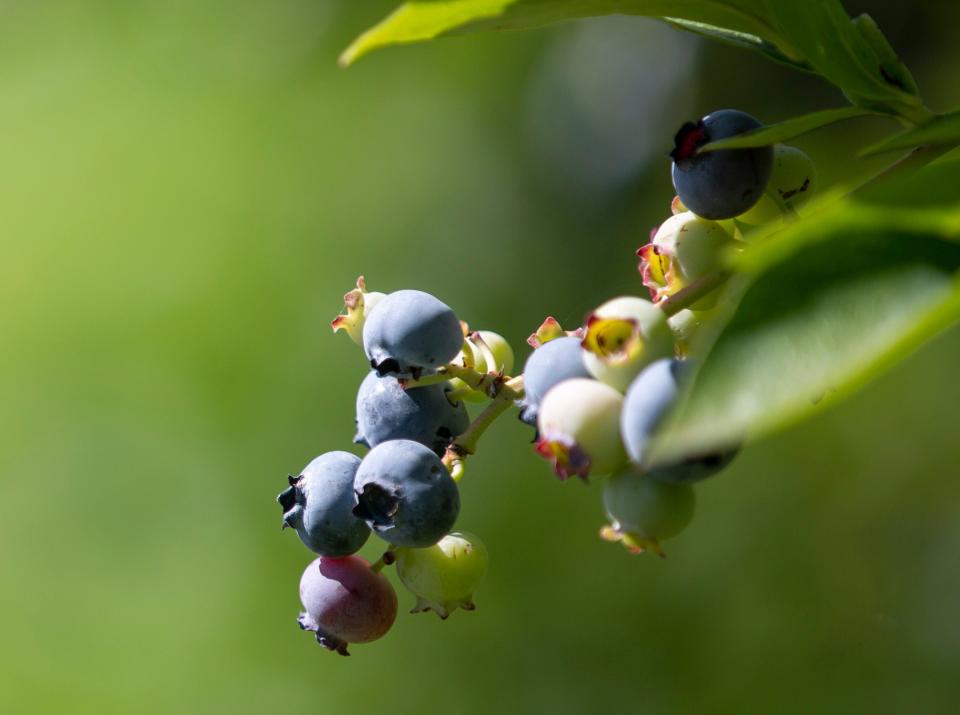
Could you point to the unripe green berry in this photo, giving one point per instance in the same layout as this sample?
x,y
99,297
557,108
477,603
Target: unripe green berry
x,y
444,576
579,427
644,511
622,337
792,183
684,248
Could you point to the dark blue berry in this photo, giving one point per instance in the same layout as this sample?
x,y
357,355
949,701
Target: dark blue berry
x,y
719,184
405,494
318,504
385,411
409,333
555,361
648,400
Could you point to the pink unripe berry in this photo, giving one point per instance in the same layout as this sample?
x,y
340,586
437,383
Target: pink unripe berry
x,y
345,601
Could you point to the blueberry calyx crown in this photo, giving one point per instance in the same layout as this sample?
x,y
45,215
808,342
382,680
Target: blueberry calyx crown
x,y
291,500
376,505
688,139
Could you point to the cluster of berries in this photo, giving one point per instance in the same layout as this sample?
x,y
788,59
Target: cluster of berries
x,y
595,396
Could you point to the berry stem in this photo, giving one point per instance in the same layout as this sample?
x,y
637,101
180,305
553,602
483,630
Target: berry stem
x,y
507,392
689,295
386,559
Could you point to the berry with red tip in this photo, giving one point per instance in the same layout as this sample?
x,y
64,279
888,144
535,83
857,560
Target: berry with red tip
x,y
579,428
684,248
719,184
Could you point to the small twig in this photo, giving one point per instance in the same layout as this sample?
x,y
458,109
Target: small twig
x,y
689,295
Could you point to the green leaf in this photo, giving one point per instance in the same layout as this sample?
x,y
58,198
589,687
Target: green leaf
x,y
837,48
789,129
827,304
943,129
892,67
428,19
738,39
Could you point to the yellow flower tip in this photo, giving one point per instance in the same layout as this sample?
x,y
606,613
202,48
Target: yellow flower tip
x,y
612,339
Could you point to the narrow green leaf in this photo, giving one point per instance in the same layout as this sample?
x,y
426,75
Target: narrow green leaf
x,y
943,129
893,68
789,129
829,40
428,19
739,39
829,303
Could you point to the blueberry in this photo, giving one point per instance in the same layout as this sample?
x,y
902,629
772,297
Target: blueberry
x,y
579,426
319,502
793,181
345,602
405,494
684,248
643,511
553,362
623,336
409,333
719,184
385,411
648,401
444,576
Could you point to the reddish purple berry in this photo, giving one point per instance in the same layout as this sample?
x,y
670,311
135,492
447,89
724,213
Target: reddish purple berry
x,y
345,602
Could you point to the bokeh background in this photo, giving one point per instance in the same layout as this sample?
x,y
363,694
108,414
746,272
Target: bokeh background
x,y
187,191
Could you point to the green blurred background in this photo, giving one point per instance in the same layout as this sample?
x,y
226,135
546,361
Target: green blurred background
x,y
188,188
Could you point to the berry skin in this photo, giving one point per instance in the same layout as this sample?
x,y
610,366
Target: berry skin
x,y
792,182
444,576
647,403
386,410
345,602
579,427
405,494
623,336
719,184
410,333
684,248
357,303
553,362
318,505
643,511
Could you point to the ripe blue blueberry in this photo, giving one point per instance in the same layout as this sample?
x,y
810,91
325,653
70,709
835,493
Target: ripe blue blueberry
x,y
409,333
405,494
345,602
386,410
719,184
553,362
318,504
648,401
